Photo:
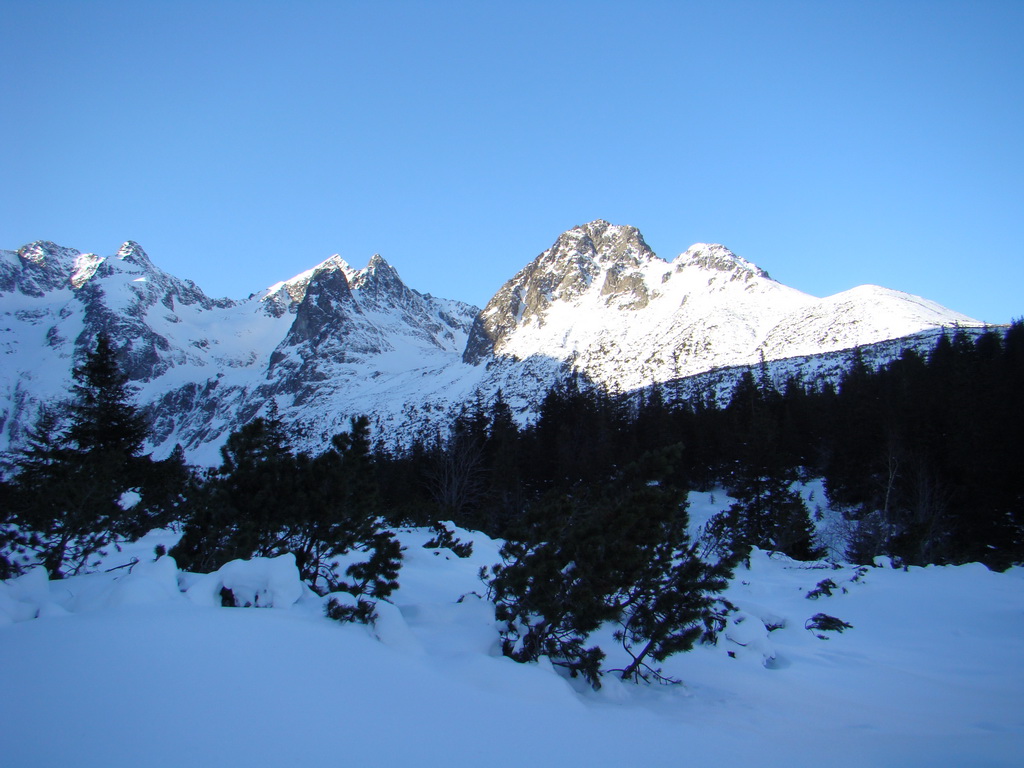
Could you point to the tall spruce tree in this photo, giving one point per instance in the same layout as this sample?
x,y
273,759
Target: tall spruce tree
x,y
767,513
70,493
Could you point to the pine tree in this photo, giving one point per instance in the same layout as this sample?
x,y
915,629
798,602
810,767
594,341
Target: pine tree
x,y
620,553
242,509
103,420
80,462
342,513
671,609
265,500
503,452
767,513
548,594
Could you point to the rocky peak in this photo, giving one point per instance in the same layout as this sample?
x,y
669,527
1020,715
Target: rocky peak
x,y
287,295
328,283
378,262
326,299
132,252
38,267
43,253
564,272
578,256
332,264
604,242
377,274
130,259
717,258
380,284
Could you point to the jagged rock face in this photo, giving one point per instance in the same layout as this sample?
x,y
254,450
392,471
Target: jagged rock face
x,y
563,273
37,268
601,301
83,294
56,300
380,283
324,312
718,258
335,341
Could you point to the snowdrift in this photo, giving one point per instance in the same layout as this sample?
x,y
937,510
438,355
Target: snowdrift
x,y
141,666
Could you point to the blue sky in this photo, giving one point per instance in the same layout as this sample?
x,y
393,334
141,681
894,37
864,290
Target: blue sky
x,y
831,143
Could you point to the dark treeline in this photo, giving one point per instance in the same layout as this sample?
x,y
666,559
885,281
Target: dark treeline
x,y
923,456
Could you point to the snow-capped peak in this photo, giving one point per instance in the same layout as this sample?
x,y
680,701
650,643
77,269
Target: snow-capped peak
x,y
379,280
286,295
601,242
713,256
600,301
132,252
37,268
43,253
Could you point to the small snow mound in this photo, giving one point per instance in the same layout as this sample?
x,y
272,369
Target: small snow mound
x,y
613,690
24,598
12,610
149,582
750,633
263,582
31,587
391,629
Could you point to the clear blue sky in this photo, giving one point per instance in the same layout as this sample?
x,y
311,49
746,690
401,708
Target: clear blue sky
x,y
831,143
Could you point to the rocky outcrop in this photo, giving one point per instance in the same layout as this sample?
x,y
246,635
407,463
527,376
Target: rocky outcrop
x,y
562,274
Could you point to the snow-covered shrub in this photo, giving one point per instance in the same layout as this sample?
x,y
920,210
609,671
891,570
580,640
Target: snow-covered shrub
x,y
344,607
619,554
265,501
446,539
262,582
822,589
825,623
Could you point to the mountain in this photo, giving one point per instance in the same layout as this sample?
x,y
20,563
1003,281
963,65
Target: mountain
x,y
328,344
600,300
336,341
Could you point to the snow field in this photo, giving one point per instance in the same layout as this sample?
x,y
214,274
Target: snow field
x,y
124,668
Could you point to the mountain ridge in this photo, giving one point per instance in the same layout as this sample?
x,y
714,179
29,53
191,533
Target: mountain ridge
x,y
336,341
601,300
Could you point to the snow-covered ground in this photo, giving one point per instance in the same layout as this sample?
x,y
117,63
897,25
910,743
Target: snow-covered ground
x,y
123,668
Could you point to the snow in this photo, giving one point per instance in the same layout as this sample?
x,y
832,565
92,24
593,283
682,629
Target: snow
x,y
129,499
263,582
123,667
